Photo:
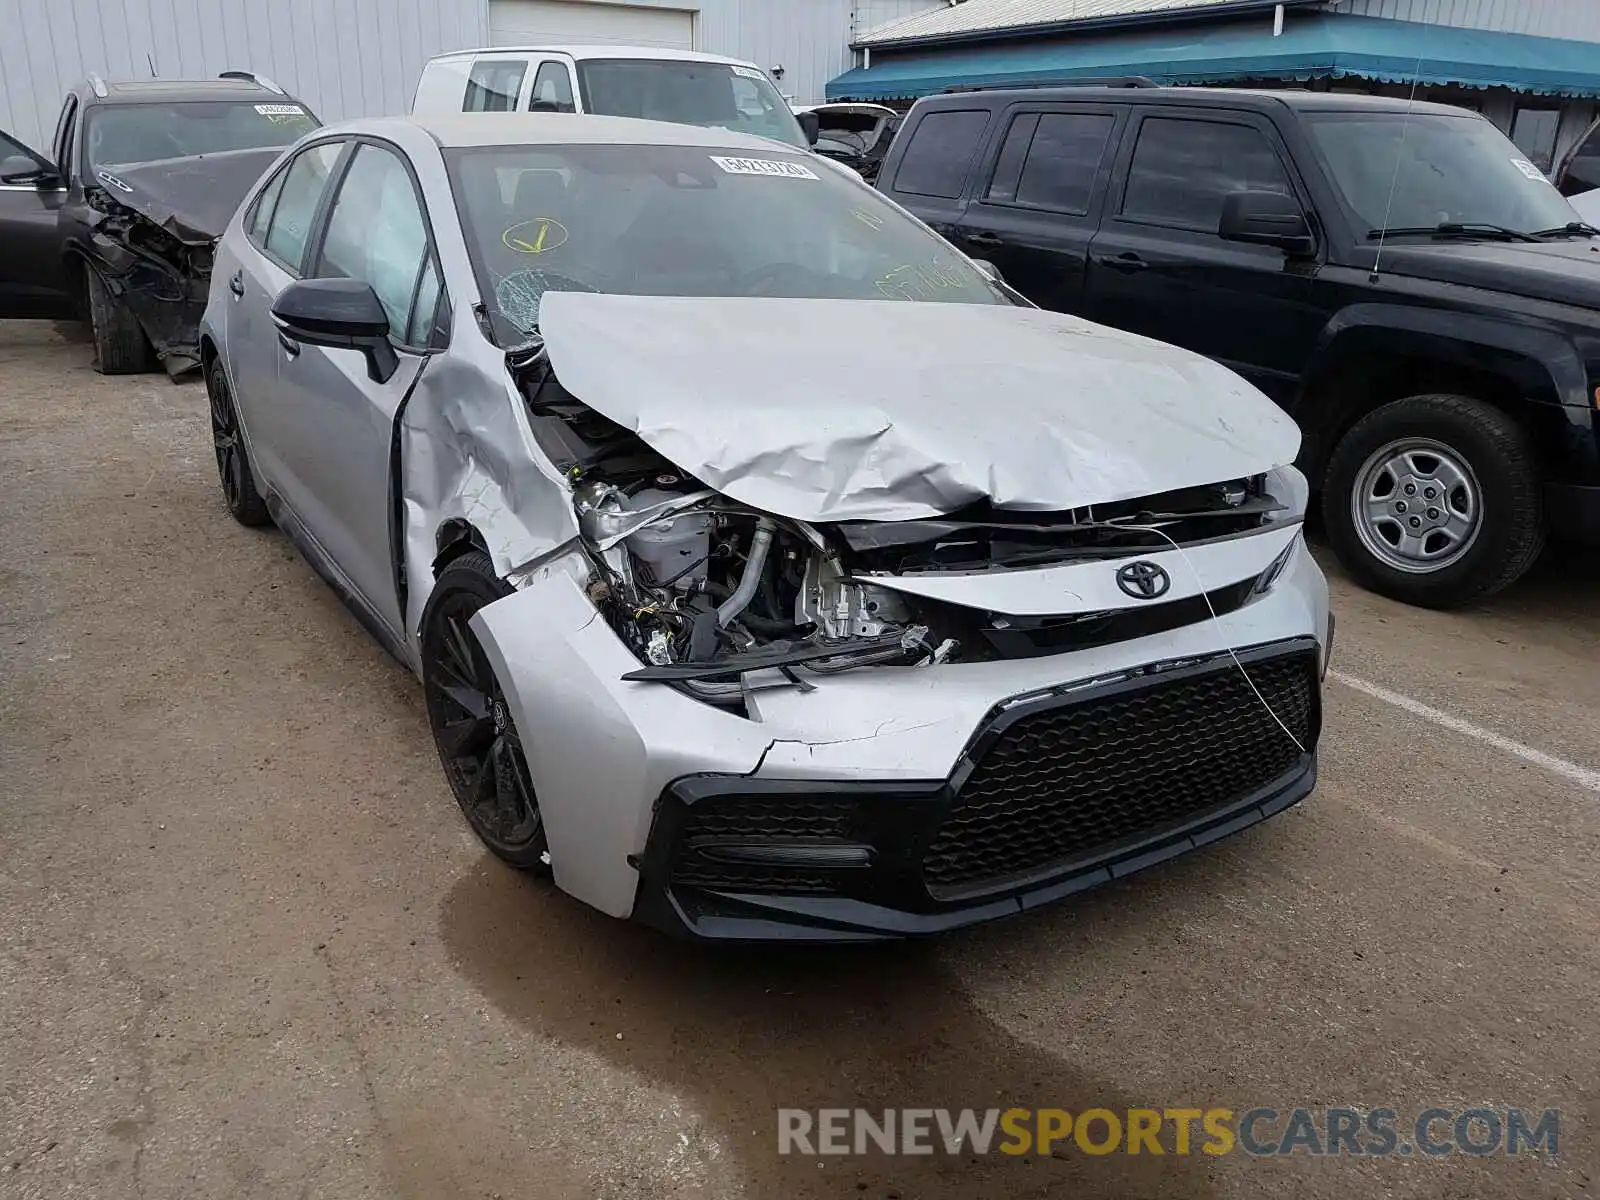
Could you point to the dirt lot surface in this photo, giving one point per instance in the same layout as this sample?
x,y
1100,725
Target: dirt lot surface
x,y
248,948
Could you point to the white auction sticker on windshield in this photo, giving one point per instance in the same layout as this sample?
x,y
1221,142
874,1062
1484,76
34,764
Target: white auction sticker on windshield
x,y
280,110
749,72
763,166
1528,169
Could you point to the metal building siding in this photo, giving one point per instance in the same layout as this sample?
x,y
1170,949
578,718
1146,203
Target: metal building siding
x,y
345,58
810,39
1575,19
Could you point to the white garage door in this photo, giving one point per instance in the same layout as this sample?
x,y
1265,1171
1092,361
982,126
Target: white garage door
x,y
545,22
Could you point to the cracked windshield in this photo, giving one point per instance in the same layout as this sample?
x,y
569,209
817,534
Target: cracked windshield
x,y
687,221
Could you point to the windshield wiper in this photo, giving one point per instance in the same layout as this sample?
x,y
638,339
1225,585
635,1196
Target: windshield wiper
x,y
1468,229
1581,227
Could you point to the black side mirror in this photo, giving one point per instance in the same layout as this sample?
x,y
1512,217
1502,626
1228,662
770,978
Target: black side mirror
x,y
22,170
1266,219
342,314
810,125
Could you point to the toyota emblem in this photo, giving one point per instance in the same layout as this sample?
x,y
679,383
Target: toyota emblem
x,y
1143,580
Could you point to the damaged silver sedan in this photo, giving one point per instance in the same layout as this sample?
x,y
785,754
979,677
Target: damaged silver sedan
x,y
769,570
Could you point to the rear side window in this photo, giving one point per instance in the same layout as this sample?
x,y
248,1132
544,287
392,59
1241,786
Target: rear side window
x,y
1051,160
493,84
941,149
1183,170
552,87
261,214
303,185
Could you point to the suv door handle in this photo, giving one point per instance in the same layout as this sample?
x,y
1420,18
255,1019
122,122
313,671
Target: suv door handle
x,y
236,284
982,237
1127,262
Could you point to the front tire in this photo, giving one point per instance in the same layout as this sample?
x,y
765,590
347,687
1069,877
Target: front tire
x,y
120,346
479,746
1435,500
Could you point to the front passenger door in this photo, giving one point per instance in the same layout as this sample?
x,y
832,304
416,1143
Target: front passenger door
x,y
375,232
1158,267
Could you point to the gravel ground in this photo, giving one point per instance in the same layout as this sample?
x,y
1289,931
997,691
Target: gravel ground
x,y
248,949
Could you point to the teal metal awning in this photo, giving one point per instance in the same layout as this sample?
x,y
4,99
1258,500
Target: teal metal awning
x,y
1318,46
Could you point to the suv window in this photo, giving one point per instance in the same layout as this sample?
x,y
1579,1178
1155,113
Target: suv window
x,y
1051,160
303,185
1182,170
493,84
376,233
942,145
553,85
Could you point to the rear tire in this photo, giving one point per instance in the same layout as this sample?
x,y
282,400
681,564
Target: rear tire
x,y
479,746
1435,500
120,346
233,461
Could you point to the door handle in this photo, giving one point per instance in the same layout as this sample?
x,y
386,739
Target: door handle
x,y
984,238
290,347
236,284
1127,262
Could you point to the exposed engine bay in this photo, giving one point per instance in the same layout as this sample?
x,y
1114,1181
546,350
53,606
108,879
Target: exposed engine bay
x,y
706,590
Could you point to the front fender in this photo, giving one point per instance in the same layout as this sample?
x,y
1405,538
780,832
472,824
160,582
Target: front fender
x,y
1544,364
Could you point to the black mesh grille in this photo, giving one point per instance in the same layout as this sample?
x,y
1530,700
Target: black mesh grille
x,y
753,819
1064,783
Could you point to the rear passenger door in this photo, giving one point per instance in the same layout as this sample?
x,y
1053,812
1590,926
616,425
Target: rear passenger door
x,y
1158,267
278,229
1038,199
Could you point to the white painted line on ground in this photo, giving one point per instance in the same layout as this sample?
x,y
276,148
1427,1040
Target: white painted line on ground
x,y
1582,776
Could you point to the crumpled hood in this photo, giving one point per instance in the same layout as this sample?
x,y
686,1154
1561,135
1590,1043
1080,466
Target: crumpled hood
x,y
832,410
192,198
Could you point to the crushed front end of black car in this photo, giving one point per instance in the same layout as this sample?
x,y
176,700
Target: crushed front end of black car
x,y
153,236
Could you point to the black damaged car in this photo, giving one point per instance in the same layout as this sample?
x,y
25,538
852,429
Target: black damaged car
x,y
116,225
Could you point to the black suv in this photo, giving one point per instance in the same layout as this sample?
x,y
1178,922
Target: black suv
x,y
115,224
1398,277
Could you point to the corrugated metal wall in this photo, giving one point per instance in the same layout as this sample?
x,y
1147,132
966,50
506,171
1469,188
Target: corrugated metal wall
x,y
346,58
1576,19
810,39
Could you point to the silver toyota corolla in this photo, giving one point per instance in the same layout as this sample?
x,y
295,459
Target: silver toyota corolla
x,y
769,569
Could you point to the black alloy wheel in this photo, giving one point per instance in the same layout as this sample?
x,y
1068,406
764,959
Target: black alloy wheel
x,y
479,745
233,466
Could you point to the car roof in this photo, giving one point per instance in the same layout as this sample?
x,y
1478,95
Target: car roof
x,y
1293,98
601,50
565,129
157,91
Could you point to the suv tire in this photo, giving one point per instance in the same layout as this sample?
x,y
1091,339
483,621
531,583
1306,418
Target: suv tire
x,y
120,347
1435,500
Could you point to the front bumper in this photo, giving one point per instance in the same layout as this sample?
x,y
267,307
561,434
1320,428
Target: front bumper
x,y
606,751
1055,795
